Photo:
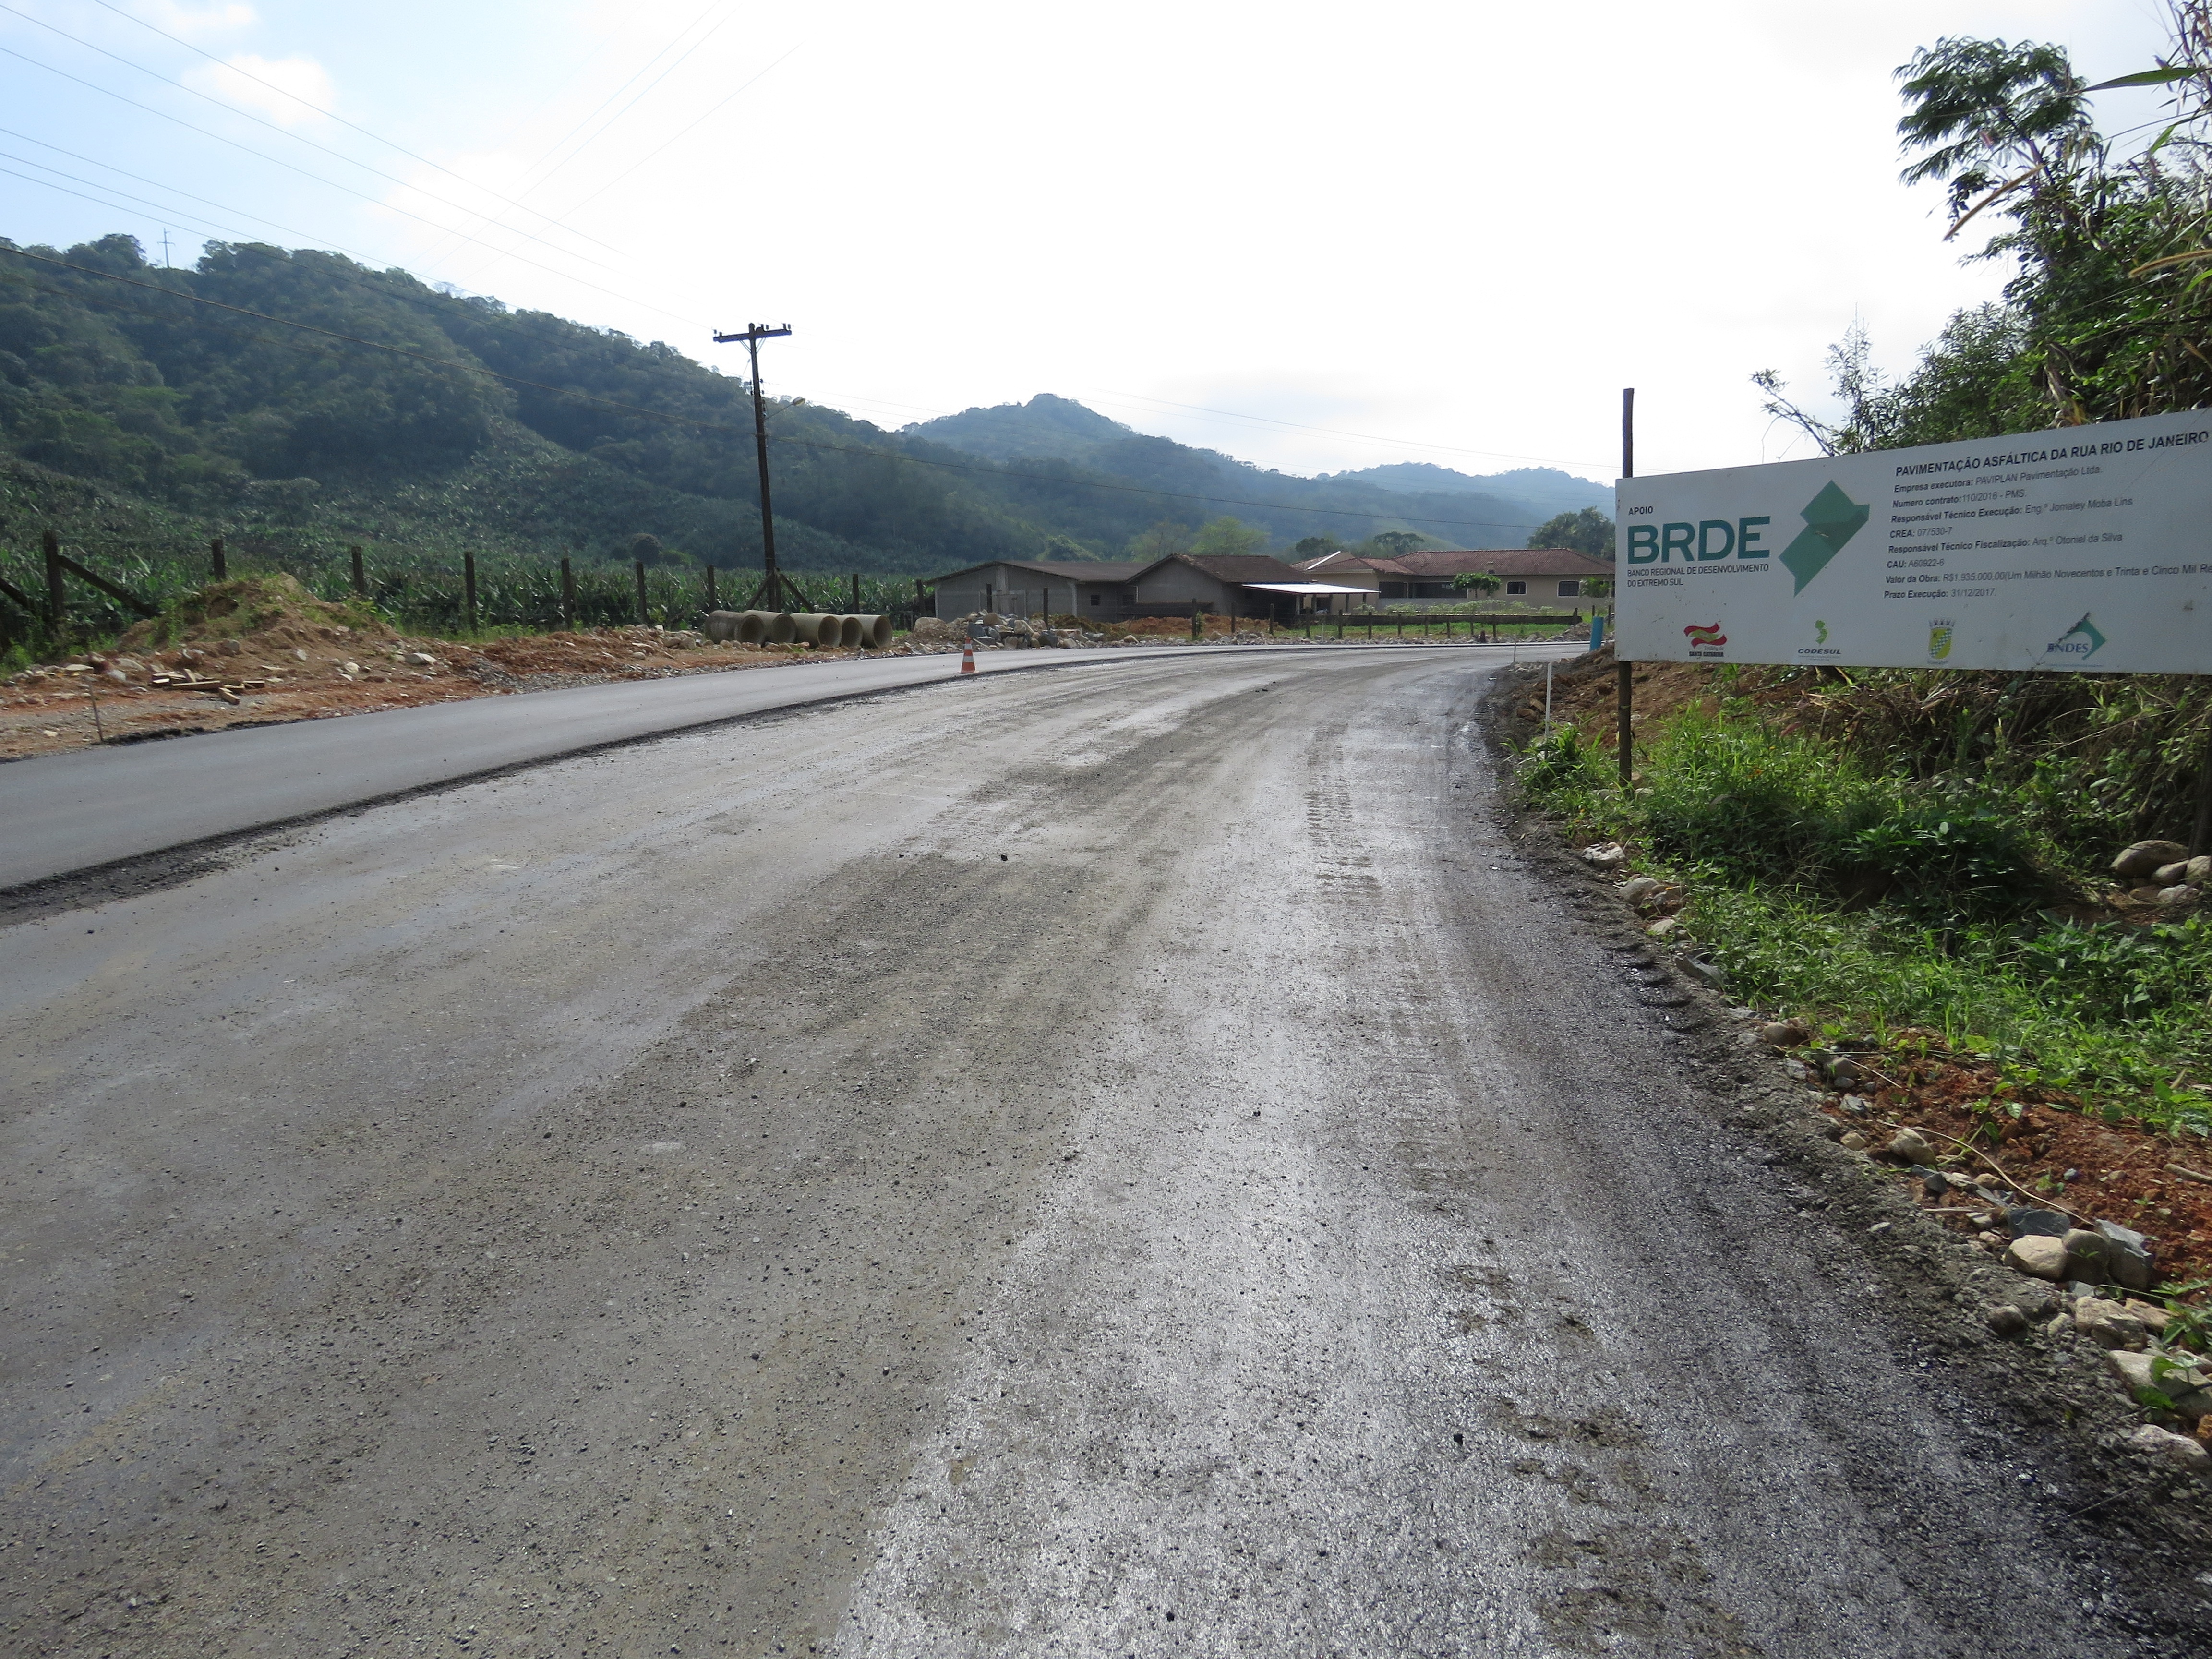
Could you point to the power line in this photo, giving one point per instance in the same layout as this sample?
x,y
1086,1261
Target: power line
x,y
569,393
233,109
332,115
374,201
683,133
536,183
1337,432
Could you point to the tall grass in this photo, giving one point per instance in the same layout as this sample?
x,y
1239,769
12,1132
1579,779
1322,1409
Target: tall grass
x,y
1880,897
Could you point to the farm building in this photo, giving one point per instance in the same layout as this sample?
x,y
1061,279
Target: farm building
x,y
1532,576
1243,585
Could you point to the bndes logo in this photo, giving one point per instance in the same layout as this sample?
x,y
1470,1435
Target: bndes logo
x,y
2081,642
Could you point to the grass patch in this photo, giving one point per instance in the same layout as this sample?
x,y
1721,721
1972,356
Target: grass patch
x,y
1876,900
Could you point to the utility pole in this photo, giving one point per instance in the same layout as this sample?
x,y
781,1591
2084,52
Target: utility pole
x,y
1623,669
776,589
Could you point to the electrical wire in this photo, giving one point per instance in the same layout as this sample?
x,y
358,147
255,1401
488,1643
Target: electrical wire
x,y
685,132
573,396
332,115
1335,432
373,201
536,183
229,108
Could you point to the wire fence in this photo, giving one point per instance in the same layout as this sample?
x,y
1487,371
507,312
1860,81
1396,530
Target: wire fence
x,y
419,593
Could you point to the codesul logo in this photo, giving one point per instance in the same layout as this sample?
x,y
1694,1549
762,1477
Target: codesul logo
x,y
1832,518
2081,642
1706,640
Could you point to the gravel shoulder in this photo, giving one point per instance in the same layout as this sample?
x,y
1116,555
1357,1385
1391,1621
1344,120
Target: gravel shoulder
x,y
1069,1163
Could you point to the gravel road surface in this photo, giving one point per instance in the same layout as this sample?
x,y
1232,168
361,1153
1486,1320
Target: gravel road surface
x,y
1071,1164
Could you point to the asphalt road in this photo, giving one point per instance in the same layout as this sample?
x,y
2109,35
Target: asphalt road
x,y
61,813
1079,1164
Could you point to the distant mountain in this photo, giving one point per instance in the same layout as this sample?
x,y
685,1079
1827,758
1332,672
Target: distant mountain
x,y
1544,486
1457,507
409,418
1045,427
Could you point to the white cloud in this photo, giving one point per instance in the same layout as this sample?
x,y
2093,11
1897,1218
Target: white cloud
x,y
285,90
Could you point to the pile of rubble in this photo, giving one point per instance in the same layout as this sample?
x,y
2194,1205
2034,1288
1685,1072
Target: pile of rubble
x,y
987,630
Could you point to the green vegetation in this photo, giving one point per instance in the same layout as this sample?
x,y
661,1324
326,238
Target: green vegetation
x,y
1587,531
1879,855
1884,849
297,402
2109,313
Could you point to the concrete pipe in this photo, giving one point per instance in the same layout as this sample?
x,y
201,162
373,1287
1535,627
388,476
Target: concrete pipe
x,y
849,632
874,635
813,627
774,627
724,625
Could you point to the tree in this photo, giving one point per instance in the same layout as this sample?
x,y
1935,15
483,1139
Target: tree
x,y
1228,536
1395,543
1587,531
1310,548
1476,581
1163,540
643,547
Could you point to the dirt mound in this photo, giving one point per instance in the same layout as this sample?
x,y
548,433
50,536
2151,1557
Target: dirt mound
x,y
271,610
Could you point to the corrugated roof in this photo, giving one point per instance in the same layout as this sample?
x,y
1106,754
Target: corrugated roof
x,y
1080,570
1240,568
1498,561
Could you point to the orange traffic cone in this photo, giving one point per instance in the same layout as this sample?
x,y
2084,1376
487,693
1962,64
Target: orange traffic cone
x,y
968,658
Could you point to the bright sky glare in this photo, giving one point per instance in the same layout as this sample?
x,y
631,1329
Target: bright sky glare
x,y
1316,237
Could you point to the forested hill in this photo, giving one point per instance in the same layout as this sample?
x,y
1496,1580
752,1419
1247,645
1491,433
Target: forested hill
x,y
294,398
1456,507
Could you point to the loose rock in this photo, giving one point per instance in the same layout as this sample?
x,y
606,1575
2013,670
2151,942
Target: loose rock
x,y
1638,889
2166,875
2107,1324
1910,1147
2005,1320
1784,1034
2127,1255
1664,925
2085,1253
2038,1256
2185,1451
2046,1222
1610,854
2146,857
1853,1142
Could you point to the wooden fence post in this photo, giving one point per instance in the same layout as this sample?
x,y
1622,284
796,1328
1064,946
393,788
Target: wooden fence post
x,y
469,584
360,575
567,597
218,566
642,617
856,591
57,599
713,603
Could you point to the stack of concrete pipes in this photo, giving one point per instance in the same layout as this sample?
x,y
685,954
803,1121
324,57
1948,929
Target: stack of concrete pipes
x,y
785,627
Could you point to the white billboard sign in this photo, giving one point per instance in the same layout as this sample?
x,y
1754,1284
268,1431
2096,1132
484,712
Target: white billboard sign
x,y
2089,549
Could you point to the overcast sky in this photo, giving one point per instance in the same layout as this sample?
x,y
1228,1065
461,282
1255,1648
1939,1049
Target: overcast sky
x,y
1318,237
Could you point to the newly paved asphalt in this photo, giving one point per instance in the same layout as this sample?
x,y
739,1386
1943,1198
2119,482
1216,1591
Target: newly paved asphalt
x,y
60,813
1080,1164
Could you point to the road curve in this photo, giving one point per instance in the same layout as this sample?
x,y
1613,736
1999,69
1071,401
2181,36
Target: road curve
x,y
1078,1165
62,813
